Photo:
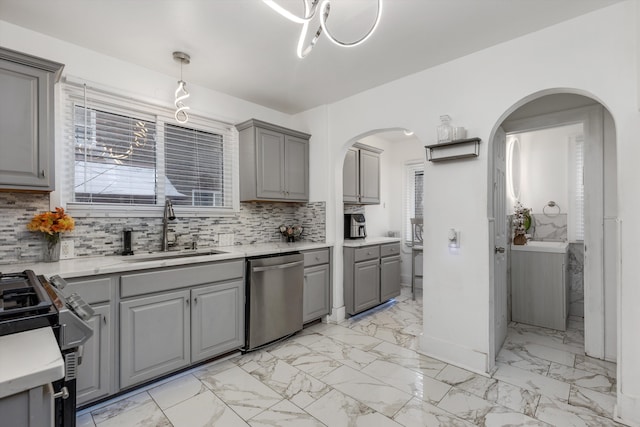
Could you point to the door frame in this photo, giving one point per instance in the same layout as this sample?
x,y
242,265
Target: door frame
x,y
593,121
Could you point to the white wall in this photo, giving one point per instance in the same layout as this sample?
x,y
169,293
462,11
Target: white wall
x,y
479,91
544,163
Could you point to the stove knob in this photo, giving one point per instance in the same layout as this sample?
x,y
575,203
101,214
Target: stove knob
x,y
58,281
80,307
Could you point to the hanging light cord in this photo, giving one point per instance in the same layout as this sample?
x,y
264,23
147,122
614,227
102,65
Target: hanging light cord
x,y
310,9
181,92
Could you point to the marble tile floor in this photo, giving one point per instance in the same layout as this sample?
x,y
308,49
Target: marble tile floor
x,y
365,372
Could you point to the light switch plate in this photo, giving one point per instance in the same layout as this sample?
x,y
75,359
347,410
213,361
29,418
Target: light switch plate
x,y
67,249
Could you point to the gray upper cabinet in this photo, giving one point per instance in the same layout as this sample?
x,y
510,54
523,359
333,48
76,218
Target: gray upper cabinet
x,y
274,163
361,175
27,121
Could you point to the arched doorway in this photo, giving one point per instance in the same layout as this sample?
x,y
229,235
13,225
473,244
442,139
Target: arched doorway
x,y
552,109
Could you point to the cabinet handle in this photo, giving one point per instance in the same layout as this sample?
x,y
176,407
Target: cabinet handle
x,y
63,393
187,301
317,258
195,300
42,173
104,319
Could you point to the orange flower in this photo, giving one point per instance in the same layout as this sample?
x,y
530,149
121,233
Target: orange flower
x,y
52,223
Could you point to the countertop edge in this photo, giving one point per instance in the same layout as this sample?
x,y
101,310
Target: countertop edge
x,y
37,361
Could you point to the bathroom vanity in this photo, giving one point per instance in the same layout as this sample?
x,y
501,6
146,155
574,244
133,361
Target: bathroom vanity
x,y
539,285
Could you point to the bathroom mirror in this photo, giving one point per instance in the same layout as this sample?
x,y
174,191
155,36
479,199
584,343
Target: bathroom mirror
x,y
513,168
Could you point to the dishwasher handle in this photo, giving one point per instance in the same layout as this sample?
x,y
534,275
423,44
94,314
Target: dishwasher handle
x,y
276,267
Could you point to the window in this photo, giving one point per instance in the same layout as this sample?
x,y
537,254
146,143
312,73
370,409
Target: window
x,y
127,152
576,188
414,187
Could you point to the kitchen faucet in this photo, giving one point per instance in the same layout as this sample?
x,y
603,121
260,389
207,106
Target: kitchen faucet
x,y
169,215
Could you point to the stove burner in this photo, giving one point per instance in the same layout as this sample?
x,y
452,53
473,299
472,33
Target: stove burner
x,y
24,303
18,298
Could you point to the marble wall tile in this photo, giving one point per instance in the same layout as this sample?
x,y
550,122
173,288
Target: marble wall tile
x,y
576,279
552,228
254,223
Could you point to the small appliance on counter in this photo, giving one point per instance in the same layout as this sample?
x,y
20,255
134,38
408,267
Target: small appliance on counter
x,y
354,226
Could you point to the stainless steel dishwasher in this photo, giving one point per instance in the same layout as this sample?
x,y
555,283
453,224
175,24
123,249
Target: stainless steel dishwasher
x,y
274,298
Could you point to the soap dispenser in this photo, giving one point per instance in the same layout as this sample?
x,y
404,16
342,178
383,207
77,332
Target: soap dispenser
x,y
126,240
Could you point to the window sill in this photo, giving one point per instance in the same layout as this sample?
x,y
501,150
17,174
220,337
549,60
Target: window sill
x,y
84,211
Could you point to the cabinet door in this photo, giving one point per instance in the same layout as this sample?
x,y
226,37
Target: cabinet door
x,y
296,168
369,177
270,157
94,372
366,284
26,127
154,336
350,177
217,319
389,277
316,292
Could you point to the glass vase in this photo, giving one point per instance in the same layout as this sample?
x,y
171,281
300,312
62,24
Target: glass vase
x,y
52,249
445,131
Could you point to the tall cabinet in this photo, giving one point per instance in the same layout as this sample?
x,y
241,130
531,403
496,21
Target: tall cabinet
x,y
361,175
274,163
27,121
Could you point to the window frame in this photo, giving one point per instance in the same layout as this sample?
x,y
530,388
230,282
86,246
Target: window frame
x,y
409,196
79,93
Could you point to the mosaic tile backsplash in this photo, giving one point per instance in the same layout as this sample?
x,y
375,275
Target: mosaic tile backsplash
x,y
254,223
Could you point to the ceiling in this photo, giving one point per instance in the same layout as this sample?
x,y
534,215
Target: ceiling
x,y
245,49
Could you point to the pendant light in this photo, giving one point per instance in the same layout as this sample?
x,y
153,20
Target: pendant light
x,y
181,92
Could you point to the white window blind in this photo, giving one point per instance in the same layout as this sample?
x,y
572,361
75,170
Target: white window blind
x,y
576,228
121,152
414,191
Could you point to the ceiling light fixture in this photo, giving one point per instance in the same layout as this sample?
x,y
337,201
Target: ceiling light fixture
x,y
310,9
181,92
408,132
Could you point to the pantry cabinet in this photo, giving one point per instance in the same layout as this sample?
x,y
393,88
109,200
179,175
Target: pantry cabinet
x,y
27,121
361,175
274,163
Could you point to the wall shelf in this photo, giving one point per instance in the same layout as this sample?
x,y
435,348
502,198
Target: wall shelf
x,y
458,149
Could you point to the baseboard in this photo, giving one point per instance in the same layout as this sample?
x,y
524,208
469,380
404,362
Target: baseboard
x,y
337,315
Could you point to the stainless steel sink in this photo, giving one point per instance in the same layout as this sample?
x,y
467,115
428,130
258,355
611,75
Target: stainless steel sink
x,y
156,256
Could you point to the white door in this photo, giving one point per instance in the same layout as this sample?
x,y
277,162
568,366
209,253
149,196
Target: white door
x,y
500,239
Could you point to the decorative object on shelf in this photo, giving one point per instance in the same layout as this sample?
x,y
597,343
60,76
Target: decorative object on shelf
x,y
51,224
445,131
453,150
181,92
291,232
459,133
311,8
521,223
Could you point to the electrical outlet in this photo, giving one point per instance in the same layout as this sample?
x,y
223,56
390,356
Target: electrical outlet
x,y
67,249
225,239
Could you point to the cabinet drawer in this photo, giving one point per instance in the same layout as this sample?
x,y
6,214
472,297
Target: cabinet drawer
x,y
92,290
368,252
390,249
316,257
183,277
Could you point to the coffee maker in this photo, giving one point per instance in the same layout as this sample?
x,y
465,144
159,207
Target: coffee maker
x,y
354,226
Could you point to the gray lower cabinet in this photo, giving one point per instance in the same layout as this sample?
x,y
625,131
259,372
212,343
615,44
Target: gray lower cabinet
x,y
539,289
95,370
27,121
96,373
217,319
154,336
30,408
389,277
274,162
317,284
371,275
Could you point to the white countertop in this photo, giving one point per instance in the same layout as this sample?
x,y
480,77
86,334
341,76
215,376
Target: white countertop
x,y
87,266
29,359
356,243
538,246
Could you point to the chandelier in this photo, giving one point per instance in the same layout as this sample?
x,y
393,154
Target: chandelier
x,y
181,92
311,8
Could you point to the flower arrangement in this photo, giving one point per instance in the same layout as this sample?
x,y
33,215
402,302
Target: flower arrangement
x,y
51,224
291,232
521,220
